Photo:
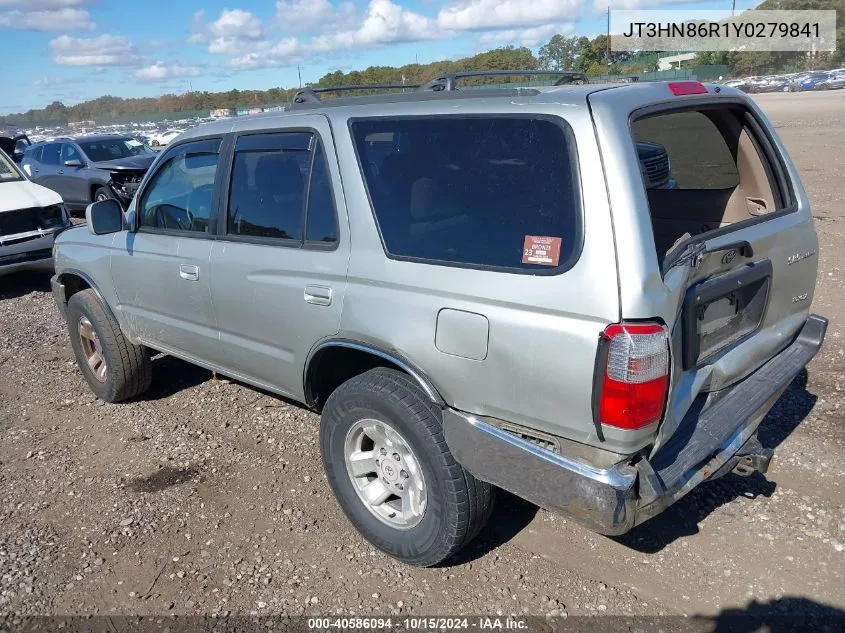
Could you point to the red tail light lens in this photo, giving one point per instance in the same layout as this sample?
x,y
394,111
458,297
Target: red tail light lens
x,y
636,376
680,88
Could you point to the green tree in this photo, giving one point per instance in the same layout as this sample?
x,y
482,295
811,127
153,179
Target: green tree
x,y
561,52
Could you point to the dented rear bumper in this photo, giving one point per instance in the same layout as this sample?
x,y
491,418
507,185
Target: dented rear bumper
x,y
712,440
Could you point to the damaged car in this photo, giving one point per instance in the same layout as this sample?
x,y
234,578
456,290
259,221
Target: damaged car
x,y
30,218
89,169
14,145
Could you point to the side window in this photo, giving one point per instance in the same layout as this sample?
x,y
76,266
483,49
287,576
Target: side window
x,y
180,194
51,154
484,191
321,220
684,150
34,152
276,178
69,152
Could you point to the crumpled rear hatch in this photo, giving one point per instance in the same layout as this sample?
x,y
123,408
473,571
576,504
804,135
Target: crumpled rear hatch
x,y
738,255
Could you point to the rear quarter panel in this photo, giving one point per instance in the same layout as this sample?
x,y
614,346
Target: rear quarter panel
x,y
542,330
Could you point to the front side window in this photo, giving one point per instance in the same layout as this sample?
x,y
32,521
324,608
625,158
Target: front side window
x,y
69,152
280,189
481,191
180,194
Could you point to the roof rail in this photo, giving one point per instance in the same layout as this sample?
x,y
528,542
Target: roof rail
x,y
448,81
312,93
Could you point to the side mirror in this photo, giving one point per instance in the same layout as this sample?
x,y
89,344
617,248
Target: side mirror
x,y
73,162
105,216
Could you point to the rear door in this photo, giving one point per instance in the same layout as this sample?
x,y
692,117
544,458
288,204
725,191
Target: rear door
x,y
278,267
70,181
728,246
45,171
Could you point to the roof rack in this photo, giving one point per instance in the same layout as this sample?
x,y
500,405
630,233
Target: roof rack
x,y
309,97
448,81
311,94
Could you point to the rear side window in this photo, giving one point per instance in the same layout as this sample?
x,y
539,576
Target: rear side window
x,y
51,154
485,191
280,189
34,153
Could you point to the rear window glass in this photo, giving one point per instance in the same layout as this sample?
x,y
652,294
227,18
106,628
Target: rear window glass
x,y
475,191
687,148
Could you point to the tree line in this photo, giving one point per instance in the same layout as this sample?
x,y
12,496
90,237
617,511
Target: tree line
x,y
591,56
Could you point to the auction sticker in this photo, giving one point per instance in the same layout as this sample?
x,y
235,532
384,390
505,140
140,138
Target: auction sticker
x,y
542,250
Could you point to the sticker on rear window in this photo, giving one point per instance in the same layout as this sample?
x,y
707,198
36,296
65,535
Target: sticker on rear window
x,y
541,250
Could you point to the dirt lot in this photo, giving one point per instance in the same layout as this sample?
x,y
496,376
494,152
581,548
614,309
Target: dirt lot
x,y
208,497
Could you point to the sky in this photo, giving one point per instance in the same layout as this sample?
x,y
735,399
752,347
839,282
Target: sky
x,y
74,50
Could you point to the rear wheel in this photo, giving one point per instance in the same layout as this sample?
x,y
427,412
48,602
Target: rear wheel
x,y
392,473
114,368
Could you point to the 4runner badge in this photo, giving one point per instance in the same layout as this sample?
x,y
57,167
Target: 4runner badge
x,y
797,257
728,257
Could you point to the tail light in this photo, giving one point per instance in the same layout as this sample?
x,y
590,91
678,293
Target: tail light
x,y
681,88
633,375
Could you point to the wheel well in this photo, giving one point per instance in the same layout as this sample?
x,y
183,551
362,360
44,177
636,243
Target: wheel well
x,y
94,188
332,366
73,284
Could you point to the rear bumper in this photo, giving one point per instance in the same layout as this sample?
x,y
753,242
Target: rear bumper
x,y
612,500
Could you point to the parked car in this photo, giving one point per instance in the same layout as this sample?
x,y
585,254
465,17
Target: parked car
x,y
30,218
808,81
833,81
14,145
162,139
475,297
90,168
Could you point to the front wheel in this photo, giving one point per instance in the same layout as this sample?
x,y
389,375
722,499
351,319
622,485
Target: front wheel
x,y
101,193
391,471
114,368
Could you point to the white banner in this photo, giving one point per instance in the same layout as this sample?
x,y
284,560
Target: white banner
x,y
712,30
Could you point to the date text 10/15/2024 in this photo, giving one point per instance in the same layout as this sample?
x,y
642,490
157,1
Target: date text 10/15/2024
x,y
481,623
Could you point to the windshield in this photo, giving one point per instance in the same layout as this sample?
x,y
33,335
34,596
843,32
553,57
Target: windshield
x,y
8,171
112,149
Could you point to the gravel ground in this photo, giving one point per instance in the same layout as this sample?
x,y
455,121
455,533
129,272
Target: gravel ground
x,y
208,497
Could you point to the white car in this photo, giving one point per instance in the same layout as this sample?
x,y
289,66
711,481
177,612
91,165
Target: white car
x,y
160,140
30,218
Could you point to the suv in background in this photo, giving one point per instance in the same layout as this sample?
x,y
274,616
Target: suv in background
x,y
90,168
477,289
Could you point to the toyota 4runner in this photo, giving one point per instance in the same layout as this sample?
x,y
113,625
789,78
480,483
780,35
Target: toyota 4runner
x,y
478,289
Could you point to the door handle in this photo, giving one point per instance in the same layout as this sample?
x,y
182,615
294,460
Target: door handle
x,y
61,171
318,295
191,273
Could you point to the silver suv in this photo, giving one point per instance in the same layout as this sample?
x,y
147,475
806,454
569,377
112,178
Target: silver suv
x,y
478,289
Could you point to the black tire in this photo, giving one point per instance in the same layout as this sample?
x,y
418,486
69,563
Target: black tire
x,y
458,504
128,370
101,193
